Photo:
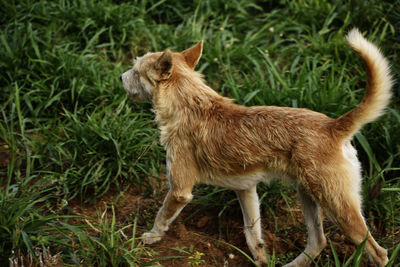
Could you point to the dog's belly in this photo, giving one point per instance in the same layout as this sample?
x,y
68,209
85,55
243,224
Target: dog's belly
x,y
240,182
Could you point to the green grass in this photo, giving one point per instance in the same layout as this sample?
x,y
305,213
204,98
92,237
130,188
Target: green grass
x,y
70,132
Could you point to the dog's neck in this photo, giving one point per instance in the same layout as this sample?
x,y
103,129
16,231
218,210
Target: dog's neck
x,y
184,98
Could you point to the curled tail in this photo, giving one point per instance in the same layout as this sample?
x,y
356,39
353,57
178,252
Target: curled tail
x,y
378,93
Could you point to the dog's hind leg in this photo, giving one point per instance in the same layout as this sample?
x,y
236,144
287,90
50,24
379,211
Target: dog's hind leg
x,y
316,239
249,203
338,193
351,221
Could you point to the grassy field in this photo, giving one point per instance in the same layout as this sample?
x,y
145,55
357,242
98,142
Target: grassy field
x,y
69,137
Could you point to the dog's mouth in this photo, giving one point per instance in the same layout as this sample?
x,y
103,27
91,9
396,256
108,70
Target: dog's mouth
x,y
137,97
130,93
133,95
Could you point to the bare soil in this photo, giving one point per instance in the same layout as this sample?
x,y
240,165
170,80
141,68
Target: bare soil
x,y
219,238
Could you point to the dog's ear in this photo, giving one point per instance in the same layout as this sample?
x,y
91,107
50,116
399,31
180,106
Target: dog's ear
x,y
163,65
192,55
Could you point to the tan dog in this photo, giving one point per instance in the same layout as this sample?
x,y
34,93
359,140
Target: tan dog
x,y
209,139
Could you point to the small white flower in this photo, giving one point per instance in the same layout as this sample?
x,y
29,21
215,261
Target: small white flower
x,y
271,29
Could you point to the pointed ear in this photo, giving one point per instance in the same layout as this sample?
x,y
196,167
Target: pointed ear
x,y
163,65
192,55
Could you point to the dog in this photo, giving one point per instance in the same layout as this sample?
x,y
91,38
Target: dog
x,y
210,139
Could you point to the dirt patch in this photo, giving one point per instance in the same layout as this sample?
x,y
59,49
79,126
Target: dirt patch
x,y
214,240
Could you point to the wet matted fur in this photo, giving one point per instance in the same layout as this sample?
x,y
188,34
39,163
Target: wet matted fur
x,y
210,139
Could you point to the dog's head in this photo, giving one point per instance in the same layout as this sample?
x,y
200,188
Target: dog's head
x,y
152,69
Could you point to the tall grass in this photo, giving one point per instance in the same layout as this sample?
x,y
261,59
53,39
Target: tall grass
x,y
69,131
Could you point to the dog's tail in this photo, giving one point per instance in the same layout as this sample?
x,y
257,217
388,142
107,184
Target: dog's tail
x,y
378,89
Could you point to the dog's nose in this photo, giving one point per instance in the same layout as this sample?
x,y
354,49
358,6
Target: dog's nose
x,y
120,77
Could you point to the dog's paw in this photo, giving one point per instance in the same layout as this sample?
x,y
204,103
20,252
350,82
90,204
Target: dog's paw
x,y
150,238
294,264
261,263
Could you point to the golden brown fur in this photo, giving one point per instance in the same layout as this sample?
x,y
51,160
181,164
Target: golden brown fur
x,y
210,139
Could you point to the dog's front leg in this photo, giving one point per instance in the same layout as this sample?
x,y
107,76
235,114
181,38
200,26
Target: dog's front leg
x,y
181,179
174,202
249,203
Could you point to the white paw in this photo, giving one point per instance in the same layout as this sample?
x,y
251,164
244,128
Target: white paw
x,y
150,237
293,264
301,260
262,263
